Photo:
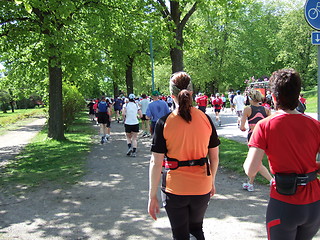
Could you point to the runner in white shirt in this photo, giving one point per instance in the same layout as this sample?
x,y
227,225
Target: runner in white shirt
x,y
239,102
131,124
144,121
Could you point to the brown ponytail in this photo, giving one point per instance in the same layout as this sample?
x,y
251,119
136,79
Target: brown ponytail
x,y
185,104
181,87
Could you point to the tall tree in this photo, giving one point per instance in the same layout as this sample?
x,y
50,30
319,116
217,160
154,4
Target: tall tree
x,y
176,24
45,29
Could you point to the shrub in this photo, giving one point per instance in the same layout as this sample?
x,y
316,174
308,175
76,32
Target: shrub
x,y
73,103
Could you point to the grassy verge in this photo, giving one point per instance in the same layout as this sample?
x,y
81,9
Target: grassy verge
x,y
312,100
232,156
47,160
12,120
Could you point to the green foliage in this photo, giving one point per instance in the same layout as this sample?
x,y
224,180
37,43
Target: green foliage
x,y
225,42
73,103
47,160
294,48
4,100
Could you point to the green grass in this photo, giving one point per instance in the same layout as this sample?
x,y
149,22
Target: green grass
x,y
232,155
46,160
8,120
312,100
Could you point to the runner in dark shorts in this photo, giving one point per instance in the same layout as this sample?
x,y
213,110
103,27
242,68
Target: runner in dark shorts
x,y
104,118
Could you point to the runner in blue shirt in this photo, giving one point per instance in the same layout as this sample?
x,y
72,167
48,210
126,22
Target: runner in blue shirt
x,y
156,109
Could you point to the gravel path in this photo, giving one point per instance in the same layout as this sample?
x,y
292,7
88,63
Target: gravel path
x,y
110,202
13,141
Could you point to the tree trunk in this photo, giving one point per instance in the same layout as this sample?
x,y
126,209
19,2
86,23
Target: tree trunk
x,y
176,55
56,129
176,51
129,75
12,106
115,89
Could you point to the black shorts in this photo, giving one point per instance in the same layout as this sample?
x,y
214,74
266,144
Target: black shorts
x,y
217,110
103,118
144,117
131,128
203,108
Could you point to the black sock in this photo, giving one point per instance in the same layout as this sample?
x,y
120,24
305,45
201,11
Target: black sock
x,y
134,149
129,145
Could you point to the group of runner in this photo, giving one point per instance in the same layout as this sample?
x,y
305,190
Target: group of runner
x,y
128,111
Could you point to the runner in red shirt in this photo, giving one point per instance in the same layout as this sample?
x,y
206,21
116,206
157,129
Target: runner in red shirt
x,y
202,101
291,141
217,104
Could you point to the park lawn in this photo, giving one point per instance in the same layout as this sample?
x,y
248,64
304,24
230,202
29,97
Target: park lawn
x,y
50,161
12,120
232,155
312,100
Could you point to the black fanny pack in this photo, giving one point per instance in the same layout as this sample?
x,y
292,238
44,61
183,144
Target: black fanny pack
x,y
286,183
172,163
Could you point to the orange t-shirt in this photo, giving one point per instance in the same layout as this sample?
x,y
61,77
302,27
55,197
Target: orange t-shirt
x,y
185,141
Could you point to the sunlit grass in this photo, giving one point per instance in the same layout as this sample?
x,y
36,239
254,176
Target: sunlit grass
x,y
12,120
232,155
312,100
47,160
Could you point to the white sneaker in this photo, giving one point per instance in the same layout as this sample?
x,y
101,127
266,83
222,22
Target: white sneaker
x,y
247,186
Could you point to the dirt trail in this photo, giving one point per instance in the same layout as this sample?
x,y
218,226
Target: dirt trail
x,y
110,202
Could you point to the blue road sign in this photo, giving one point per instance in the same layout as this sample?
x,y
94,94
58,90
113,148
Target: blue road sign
x,y
315,38
312,13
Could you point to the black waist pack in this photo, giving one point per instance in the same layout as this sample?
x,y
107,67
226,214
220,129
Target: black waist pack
x,y
286,183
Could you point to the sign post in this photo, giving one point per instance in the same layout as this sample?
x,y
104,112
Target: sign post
x,y
312,15
152,63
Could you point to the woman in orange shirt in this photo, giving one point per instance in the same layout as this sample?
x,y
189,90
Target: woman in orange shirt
x,y
186,143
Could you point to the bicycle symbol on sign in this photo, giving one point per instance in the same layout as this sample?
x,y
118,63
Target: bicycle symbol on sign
x,y
313,13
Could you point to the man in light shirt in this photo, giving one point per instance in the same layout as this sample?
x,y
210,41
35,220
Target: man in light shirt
x,y
239,102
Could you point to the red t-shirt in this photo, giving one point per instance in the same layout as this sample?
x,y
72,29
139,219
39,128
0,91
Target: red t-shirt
x,y
291,142
217,103
202,101
303,100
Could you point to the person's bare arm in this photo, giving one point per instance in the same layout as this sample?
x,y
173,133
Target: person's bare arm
x,y
253,161
154,180
246,114
214,162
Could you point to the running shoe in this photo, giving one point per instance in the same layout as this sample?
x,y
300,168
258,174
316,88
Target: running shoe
x,y
102,140
133,154
219,123
247,186
129,152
